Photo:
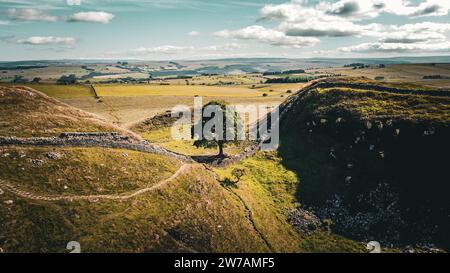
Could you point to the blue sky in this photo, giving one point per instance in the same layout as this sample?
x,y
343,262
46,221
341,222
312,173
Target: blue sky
x,y
202,29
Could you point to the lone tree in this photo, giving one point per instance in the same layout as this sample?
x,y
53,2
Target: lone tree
x,y
36,80
218,126
238,173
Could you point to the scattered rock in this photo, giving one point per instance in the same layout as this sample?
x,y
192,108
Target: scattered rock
x,y
332,154
1,192
409,249
382,155
349,166
323,121
125,155
66,188
369,125
397,132
348,179
429,132
339,120
6,155
304,221
371,147
53,156
37,162
380,125
9,202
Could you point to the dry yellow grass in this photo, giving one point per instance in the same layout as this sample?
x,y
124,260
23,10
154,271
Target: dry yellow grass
x,y
26,112
178,90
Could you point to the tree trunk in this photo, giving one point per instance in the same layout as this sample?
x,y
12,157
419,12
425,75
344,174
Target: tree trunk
x,y
220,149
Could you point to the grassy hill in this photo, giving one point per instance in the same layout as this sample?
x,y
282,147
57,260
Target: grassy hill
x,y
374,162
370,164
192,212
26,112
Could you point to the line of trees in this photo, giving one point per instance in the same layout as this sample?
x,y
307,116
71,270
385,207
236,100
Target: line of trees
x,y
71,79
291,79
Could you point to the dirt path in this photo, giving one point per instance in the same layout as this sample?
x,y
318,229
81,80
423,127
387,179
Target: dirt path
x,y
93,198
247,211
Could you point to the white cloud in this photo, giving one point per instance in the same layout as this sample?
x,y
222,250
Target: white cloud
x,y
270,36
173,50
425,8
344,18
225,47
30,15
73,2
48,40
167,49
299,11
92,17
194,33
397,47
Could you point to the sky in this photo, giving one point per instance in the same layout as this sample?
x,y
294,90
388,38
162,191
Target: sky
x,y
210,29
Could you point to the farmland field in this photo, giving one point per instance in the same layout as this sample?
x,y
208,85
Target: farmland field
x,y
188,90
401,73
128,104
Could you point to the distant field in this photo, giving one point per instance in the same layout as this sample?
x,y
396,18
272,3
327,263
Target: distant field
x,y
127,104
131,109
63,91
401,73
187,90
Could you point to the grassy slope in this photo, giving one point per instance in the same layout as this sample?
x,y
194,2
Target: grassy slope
x,y
83,171
269,190
63,91
192,213
26,112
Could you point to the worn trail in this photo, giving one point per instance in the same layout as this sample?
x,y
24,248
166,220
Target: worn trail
x,y
93,198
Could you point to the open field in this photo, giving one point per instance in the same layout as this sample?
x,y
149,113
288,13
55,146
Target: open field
x,y
188,90
128,104
399,73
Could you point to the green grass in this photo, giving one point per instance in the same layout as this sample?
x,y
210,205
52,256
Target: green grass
x,y
269,189
84,171
163,137
368,105
192,213
326,242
